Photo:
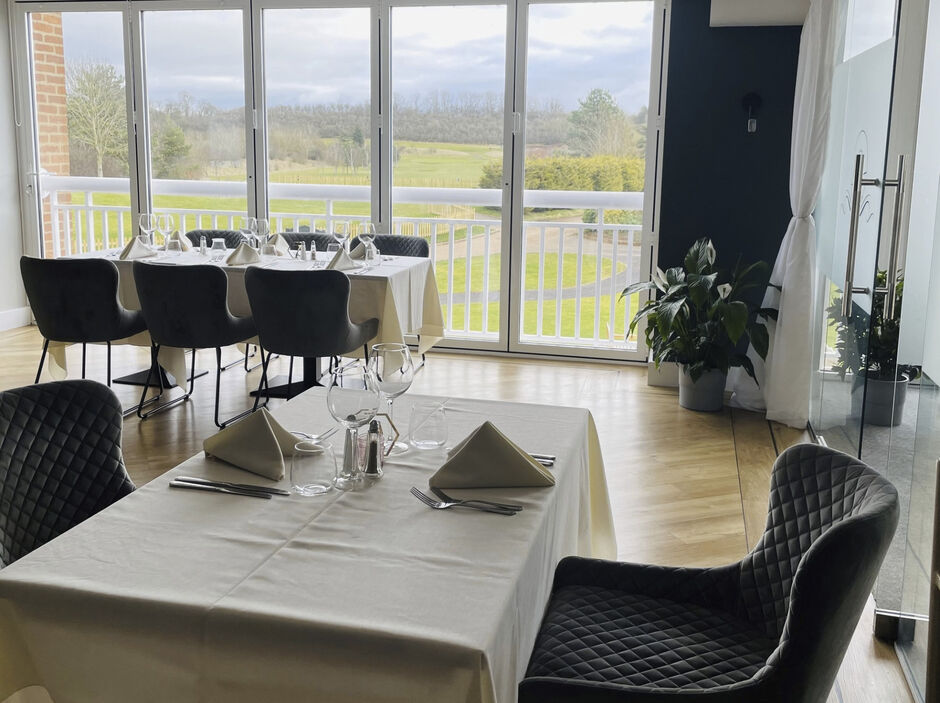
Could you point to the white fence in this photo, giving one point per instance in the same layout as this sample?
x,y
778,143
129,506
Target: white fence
x,y
573,270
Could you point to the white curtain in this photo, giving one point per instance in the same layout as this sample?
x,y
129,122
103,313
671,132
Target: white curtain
x,y
784,378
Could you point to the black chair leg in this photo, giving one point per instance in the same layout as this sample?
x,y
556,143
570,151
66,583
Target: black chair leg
x,y
170,403
218,381
109,363
365,348
42,359
264,379
83,359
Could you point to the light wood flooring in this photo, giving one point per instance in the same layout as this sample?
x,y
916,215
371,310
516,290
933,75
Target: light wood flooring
x,y
686,488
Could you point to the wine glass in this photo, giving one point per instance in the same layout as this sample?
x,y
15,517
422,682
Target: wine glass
x,y
394,371
165,224
367,237
341,233
248,226
353,400
263,229
147,222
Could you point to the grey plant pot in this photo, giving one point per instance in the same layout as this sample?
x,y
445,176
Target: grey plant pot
x,y
707,394
884,401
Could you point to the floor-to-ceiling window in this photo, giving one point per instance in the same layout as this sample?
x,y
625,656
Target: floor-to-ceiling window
x,y
513,136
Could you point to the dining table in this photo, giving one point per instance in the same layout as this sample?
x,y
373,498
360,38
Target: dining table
x,y
400,291
366,595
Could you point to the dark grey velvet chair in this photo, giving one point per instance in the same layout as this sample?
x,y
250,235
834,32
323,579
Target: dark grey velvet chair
x,y
304,313
60,461
772,628
232,237
76,301
400,245
167,295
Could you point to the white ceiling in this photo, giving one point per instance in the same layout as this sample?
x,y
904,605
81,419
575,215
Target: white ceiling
x,y
738,13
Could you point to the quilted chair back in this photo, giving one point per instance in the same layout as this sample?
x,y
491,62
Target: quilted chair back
x,y
74,300
401,245
60,461
321,239
232,237
830,521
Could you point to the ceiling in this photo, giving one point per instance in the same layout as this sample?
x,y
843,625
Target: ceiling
x,y
741,13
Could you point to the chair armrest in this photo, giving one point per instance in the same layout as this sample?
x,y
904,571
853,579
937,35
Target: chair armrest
x,y
548,689
708,587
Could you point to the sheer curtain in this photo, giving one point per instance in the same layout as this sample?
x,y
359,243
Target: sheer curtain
x,y
784,378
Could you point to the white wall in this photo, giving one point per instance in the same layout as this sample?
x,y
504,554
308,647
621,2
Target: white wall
x,y
12,297
736,13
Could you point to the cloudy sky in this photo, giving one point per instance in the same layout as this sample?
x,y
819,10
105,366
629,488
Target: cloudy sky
x,y
322,55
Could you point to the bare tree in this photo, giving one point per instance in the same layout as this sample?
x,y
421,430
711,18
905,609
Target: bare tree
x,y
96,109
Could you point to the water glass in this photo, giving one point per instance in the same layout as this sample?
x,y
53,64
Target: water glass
x,y
332,248
262,229
165,225
248,226
312,468
147,223
353,400
174,247
218,249
428,426
340,233
268,251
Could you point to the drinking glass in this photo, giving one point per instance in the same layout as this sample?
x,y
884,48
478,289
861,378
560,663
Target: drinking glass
x,y
394,371
268,251
353,400
263,229
428,426
148,225
218,249
341,233
312,468
174,247
332,248
248,226
165,225
367,237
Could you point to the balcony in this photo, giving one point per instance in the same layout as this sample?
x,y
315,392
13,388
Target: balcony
x,y
571,277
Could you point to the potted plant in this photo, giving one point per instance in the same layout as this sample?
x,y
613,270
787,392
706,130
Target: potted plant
x,y
700,318
867,346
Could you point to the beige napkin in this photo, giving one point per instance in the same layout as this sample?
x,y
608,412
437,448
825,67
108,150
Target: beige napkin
x,y
185,244
489,459
242,255
281,246
341,261
358,252
257,444
136,249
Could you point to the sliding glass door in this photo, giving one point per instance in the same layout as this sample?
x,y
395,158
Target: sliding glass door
x,y
580,235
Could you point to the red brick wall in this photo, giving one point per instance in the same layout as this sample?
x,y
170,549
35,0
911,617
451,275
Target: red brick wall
x,y
51,114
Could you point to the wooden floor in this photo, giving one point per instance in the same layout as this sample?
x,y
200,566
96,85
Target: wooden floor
x,y
686,488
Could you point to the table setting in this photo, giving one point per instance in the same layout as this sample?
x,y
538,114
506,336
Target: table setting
x,y
296,575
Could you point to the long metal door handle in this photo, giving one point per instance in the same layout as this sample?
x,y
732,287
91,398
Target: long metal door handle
x,y
853,235
891,279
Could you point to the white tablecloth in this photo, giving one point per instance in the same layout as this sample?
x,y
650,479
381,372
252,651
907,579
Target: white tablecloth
x,y
185,596
400,291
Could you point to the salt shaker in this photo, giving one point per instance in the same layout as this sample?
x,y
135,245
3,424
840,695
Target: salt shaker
x,y
374,451
202,245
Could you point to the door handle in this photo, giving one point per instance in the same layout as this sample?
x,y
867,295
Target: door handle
x,y
858,182
891,277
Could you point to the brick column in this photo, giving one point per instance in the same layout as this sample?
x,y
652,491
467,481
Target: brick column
x,y
52,122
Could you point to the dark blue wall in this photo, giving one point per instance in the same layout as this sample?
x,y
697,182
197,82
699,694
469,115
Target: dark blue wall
x,y
718,180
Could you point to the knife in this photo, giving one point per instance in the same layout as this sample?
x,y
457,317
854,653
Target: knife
x,y
219,489
237,486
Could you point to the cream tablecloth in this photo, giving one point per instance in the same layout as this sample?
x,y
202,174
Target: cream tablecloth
x,y
185,596
400,291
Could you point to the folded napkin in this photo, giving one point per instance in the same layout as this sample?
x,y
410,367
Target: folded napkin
x,y
257,444
242,255
136,249
341,261
489,459
281,245
358,252
185,244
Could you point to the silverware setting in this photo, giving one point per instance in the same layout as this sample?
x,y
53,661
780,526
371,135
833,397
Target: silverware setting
x,y
237,486
220,489
443,496
543,459
444,505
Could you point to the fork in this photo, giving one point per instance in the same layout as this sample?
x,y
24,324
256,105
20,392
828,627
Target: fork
x,y
443,505
443,496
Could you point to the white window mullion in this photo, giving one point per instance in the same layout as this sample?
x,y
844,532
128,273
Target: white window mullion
x,y
382,117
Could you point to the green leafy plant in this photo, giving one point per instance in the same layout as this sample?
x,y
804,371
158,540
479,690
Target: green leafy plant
x,y
867,344
700,317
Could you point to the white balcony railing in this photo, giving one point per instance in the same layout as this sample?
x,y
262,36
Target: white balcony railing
x,y
573,270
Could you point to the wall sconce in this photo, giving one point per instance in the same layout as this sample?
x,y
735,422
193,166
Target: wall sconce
x,y
751,102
